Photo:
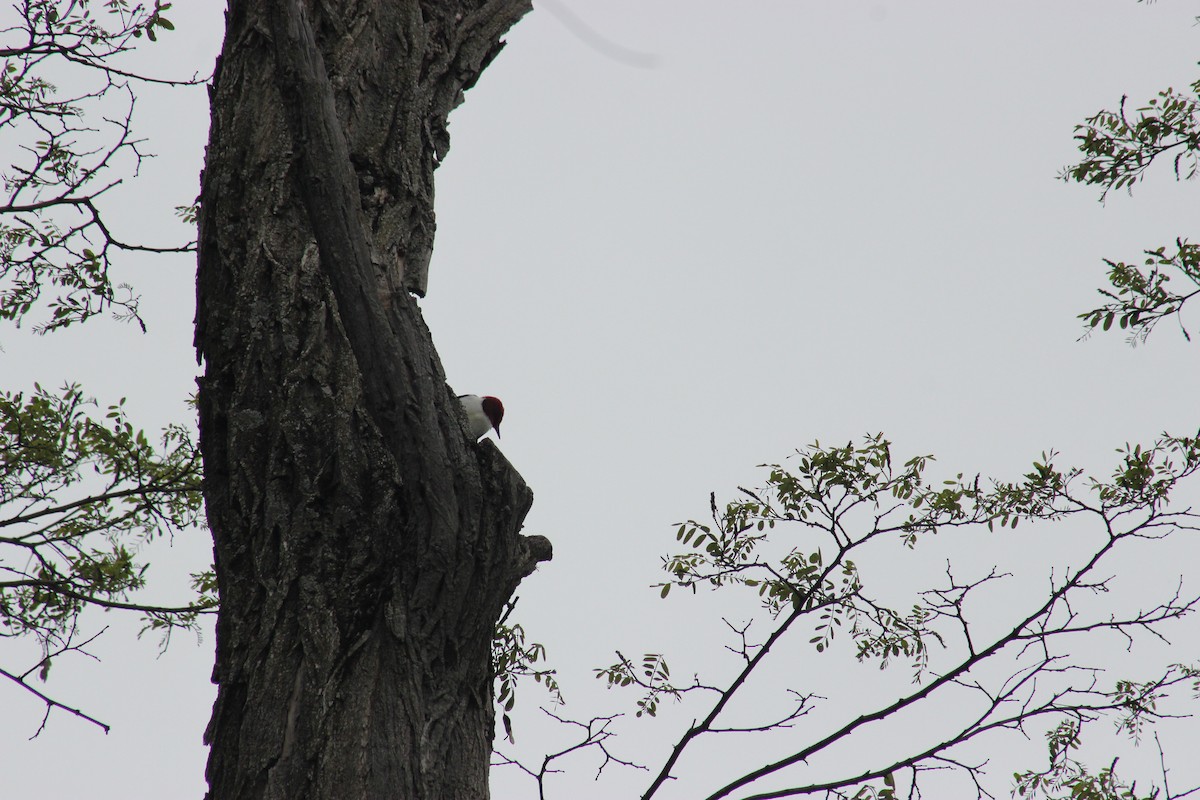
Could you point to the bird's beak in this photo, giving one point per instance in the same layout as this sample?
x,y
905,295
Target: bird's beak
x,y
497,429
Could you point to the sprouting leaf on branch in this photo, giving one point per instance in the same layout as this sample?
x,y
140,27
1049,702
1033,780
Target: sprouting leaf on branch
x,y
1142,296
513,660
651,674
1119,146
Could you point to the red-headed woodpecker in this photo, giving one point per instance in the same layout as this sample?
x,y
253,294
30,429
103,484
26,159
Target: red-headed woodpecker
x,y
483,414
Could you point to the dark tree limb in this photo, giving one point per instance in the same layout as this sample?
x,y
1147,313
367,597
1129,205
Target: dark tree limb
x,y
43,667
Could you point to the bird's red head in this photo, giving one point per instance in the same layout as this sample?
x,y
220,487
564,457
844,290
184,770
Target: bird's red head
x,y
494,410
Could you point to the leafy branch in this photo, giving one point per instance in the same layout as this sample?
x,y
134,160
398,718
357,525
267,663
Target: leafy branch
x,y
56,245
79,495
1140,296
1118,148
795,546
513,659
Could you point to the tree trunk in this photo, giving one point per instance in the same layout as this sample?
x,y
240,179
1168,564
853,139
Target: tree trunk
x,y
364,546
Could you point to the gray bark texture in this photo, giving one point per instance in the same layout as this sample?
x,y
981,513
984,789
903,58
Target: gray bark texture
x,y
364,547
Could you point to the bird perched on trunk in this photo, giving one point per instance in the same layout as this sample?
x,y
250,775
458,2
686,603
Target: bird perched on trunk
x,y
483,414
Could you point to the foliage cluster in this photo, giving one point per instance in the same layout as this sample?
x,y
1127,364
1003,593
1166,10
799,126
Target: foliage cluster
x,y
1118,148
81,491
69,148
80,494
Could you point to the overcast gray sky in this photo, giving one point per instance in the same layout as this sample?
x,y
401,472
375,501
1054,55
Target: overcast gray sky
x,y
678,245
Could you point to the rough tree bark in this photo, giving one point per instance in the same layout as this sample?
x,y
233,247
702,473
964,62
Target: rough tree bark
x,y
364,547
